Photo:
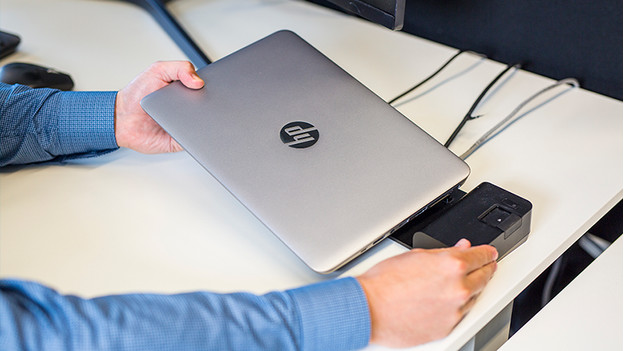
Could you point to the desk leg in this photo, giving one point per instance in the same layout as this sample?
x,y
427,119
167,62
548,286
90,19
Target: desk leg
x,y
493,335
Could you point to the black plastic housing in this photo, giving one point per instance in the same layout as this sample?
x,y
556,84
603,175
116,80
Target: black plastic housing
x,y
486,215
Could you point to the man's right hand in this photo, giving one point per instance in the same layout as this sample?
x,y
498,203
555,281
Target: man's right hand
x,y
421,295
134,128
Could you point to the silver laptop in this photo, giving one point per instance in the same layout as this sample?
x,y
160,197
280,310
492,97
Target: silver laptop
x,y
329,167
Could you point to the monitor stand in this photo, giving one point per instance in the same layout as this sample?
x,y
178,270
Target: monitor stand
x,y
159,12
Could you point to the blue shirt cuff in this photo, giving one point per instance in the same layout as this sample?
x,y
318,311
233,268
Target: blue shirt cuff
x,y
334,315
86,122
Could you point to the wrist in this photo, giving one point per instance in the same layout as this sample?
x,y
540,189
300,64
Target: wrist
x,y
369,293
118,129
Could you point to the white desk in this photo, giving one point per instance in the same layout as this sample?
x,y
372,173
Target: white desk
x,y
127,222
592,306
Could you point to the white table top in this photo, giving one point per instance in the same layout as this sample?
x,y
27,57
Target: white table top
x,y
127,222
592,306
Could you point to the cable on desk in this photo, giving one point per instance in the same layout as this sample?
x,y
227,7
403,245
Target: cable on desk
x,y
469,116
550,281
505,122
433,74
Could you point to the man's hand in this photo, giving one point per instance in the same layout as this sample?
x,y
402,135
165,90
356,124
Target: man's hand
x,y
134,128
420,296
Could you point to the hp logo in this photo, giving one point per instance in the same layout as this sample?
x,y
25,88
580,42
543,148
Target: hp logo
x,y
299,134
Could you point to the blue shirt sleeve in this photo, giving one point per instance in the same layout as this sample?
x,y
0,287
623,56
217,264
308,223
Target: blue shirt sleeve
x,y
38,125
331,315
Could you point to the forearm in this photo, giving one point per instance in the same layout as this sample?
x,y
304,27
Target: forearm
x,y
39,125
332,315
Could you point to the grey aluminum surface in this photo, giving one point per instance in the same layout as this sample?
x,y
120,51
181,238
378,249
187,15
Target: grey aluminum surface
x,y
370,169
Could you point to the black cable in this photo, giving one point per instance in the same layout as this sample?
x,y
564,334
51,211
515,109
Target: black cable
x,y
428,78
550,281
469,115
505,122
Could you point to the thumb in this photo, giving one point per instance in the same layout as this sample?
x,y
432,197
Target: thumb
x,y
463,243
182,71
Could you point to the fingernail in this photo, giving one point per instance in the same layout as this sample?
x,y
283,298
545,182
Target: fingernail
x,y
462,242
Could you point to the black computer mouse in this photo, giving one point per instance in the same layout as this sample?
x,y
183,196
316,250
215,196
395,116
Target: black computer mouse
x,y
35,76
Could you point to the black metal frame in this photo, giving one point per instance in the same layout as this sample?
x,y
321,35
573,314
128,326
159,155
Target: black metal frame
x,y
170,25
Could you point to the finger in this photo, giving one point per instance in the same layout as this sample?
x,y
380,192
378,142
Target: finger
x,y
182,71
476,281
190,79
478,256
463,243
175,147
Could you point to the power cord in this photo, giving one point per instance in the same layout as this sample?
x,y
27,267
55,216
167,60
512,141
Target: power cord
x,y
448,62
550,281
469,116
503,124
507,121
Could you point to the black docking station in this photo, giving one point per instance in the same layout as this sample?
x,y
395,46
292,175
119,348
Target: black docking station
x,y
486,215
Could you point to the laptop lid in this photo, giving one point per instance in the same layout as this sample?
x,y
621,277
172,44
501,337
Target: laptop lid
x,y
324,163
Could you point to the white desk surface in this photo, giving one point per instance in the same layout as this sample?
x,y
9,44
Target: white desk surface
x,y
592,306
127,222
